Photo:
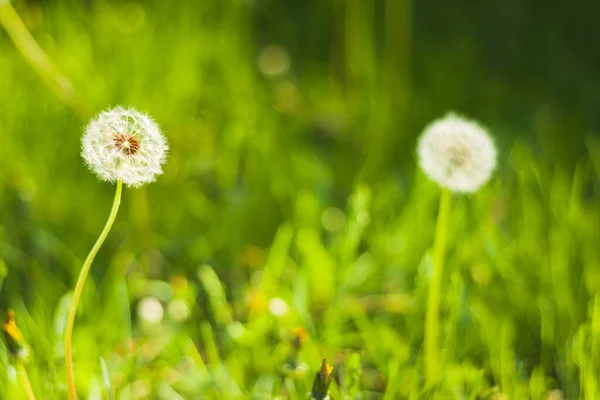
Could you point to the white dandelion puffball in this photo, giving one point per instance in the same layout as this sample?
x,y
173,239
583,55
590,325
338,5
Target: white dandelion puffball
x,y
278,307
124,144
457,153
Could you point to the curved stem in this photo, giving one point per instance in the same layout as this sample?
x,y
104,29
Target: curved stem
x,y
79,288
435,284
25,381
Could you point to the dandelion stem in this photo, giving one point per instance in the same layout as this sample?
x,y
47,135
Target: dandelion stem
x,y
79,288
25,381
432,320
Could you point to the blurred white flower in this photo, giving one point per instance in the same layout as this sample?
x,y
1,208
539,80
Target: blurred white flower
x,y
236,330
124,144
178,310
273,60
278,307
457,153
150,310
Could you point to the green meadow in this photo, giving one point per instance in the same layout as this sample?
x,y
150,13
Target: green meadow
x,y
292,222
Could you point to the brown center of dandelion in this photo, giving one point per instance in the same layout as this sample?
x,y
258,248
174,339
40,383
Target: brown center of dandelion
x,y
459,156
126,143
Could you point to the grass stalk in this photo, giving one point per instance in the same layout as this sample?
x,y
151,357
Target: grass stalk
x,y
25,381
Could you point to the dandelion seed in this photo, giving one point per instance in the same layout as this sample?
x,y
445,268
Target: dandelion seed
x,y
124,144
457,153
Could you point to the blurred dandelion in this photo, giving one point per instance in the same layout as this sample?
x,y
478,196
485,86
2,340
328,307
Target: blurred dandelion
x,y
273,60
460,156
457,153
125,146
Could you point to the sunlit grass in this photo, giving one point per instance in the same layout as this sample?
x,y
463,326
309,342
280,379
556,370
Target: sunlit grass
x,y
285,187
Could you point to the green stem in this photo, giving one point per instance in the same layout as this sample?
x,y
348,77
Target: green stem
x,y
25,381
79,288
432,319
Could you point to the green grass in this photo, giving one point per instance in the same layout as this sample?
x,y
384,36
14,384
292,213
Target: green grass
x,y
302,187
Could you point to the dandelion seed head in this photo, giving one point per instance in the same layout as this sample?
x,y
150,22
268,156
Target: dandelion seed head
x,y
124,144
150,310
457,153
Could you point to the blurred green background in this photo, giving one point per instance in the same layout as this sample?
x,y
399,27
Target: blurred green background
x,y
292,176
